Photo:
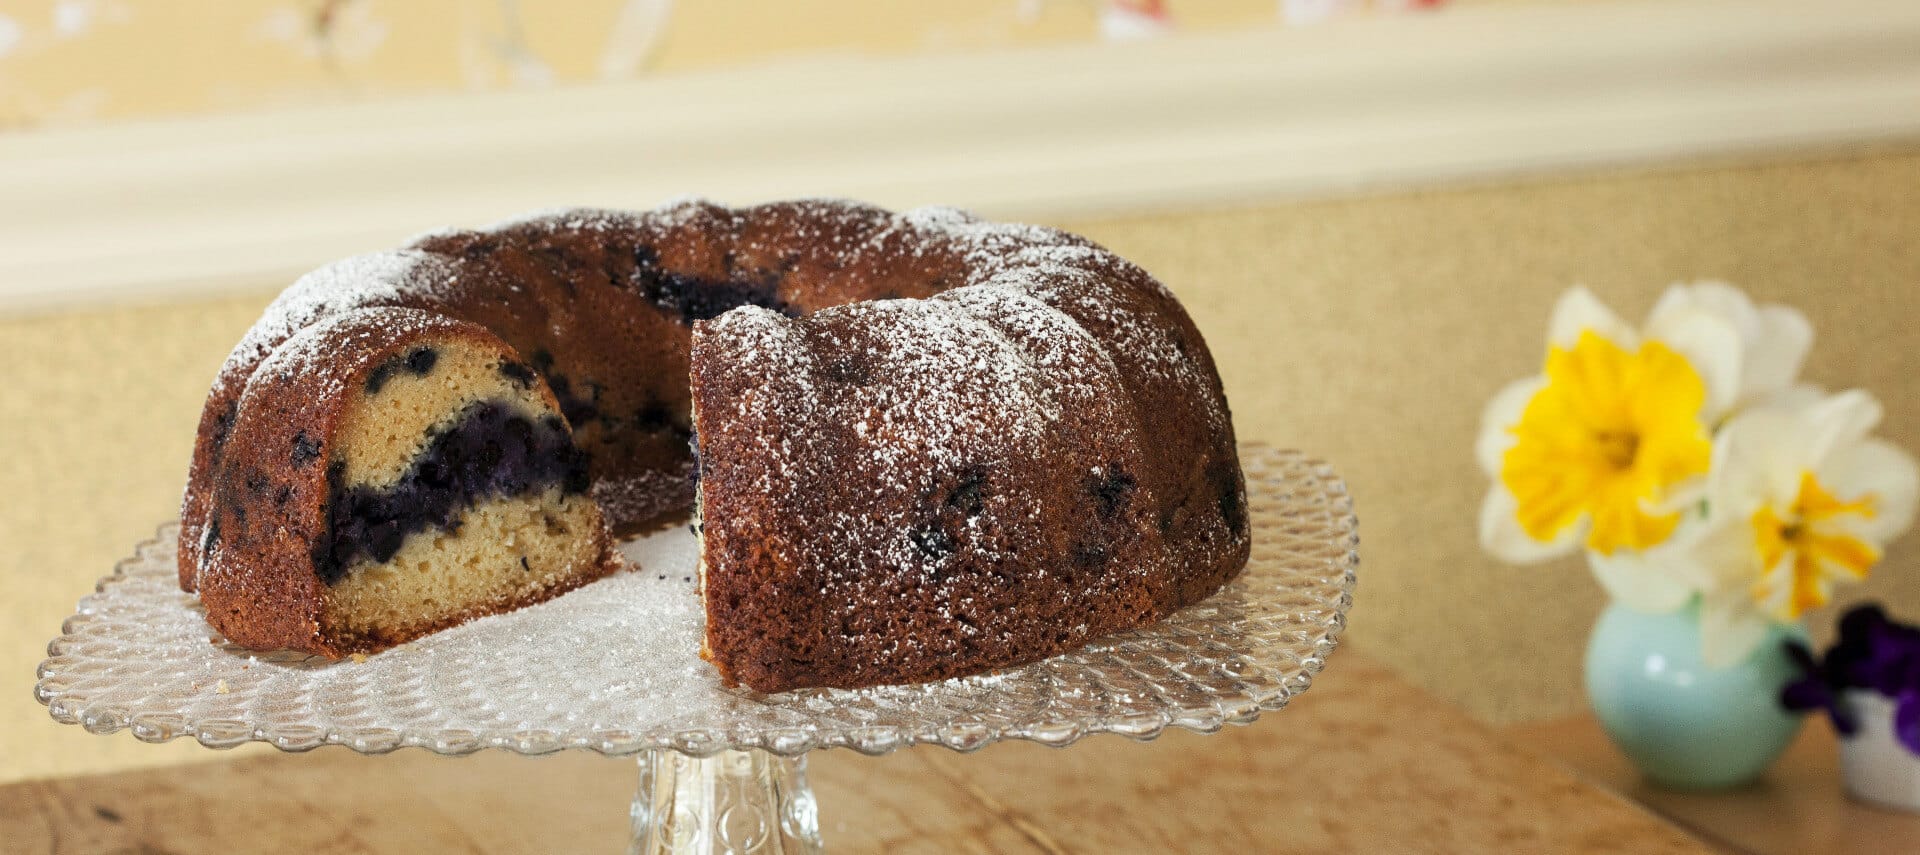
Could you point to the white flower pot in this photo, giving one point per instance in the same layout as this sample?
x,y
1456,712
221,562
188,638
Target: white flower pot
x,y
1876,766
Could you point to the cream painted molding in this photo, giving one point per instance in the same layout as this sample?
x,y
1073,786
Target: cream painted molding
x,y
157,209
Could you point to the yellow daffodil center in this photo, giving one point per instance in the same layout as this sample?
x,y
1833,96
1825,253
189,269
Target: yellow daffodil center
x,y
1804,548
1608,437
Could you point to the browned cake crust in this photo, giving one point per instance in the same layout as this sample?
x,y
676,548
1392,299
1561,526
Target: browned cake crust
x,y
269,497
896,489
900,491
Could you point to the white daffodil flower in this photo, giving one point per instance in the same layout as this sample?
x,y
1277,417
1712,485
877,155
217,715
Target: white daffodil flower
x,y
1656,580
1774,339
1611,443
1800,497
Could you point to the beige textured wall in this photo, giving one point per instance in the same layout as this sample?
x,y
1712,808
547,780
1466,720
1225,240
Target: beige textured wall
x,y
1367,330
1373,330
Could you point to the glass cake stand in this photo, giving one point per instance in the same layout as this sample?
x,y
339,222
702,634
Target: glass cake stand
x,y
611,668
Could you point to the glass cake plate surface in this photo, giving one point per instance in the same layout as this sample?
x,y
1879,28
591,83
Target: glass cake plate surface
x,y
614,668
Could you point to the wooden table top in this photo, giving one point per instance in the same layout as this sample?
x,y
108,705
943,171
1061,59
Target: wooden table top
x,y
1363,762
1797,808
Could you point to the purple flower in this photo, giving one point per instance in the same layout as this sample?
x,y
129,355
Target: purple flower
x,y
1876,653
1872,653
1906,720
1814,691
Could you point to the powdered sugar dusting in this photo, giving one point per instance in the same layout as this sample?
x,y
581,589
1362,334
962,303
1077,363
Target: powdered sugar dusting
x,y
925,419
1060,269
566,219
383,278
1063,271
314,351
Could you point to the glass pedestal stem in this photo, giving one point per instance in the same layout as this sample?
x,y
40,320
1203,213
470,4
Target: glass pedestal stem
x,y
746,802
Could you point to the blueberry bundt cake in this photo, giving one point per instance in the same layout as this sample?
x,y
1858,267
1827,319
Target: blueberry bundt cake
x,y
920,445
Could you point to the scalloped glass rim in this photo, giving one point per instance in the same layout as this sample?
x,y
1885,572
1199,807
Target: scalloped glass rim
x,y
1247,650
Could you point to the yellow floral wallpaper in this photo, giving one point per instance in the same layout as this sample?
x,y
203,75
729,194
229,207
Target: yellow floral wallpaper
x,y
71,61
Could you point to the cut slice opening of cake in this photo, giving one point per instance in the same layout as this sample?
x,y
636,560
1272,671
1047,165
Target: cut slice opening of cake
x,y
455,491
435,481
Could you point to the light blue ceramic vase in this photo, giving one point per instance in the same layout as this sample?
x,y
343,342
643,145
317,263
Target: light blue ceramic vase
x,y
1684,724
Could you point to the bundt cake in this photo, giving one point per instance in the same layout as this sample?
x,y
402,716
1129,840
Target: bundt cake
x,y
921,445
